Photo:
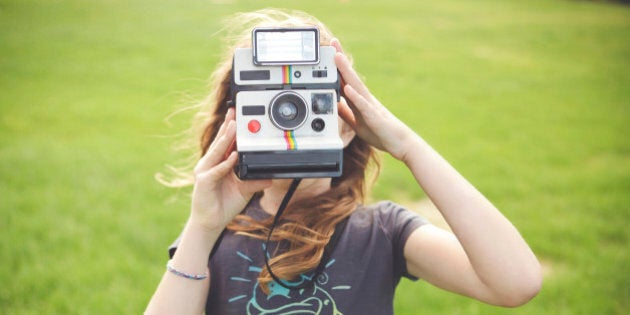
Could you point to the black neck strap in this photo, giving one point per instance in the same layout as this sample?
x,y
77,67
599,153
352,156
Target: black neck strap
x,y
332,243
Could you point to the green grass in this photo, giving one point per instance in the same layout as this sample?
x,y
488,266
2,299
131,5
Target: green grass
x,y
528,99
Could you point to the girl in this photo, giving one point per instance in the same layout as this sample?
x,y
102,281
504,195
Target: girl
x,y
484,257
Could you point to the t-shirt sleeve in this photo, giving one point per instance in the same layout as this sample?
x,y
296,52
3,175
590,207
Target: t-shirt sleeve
x,y
398,223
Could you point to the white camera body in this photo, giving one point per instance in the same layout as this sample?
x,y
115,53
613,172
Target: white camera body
x,y
286,117
269,137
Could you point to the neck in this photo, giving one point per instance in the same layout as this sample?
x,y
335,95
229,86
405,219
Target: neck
x,y
309,187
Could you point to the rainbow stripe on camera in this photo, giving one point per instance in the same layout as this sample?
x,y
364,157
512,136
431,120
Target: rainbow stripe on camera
x,y
286,74
289,137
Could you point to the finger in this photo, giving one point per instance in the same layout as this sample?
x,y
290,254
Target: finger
x,y
218,149
222,169
337,44
229,116
349,75
345,112
221,144
361,104
230,149
250,187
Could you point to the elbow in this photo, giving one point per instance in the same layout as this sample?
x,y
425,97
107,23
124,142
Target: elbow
x,y
524,295
526,288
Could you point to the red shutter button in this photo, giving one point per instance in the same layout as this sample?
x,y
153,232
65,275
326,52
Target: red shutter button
x,y
253,126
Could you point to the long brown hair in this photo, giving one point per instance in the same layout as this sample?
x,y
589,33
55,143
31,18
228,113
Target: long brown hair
x,y
307,225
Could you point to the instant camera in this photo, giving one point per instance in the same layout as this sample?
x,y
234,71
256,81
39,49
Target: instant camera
x,y
285,89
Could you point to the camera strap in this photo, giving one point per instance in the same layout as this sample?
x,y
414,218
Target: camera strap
x,y
330,246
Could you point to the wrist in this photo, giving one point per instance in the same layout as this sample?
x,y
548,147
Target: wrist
x,y
202,229
209,220
410,145
193,250
195,246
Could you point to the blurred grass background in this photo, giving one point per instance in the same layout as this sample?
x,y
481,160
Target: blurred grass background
x,y
528,99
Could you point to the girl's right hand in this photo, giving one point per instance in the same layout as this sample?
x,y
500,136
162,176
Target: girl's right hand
x,y
370,119
219,195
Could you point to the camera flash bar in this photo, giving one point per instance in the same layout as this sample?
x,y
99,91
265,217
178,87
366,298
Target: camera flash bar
x,y
285,46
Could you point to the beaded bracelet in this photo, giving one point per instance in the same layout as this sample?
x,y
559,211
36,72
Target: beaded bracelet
x,y
183,274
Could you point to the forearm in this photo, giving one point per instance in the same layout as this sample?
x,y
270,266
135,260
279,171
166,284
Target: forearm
x,y
179,295
496,251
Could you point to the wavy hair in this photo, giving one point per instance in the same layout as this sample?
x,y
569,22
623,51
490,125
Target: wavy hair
x,y
307,225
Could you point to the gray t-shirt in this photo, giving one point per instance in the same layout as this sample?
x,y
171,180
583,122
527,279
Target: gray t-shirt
x,y
360,277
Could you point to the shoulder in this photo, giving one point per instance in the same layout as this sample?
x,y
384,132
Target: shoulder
x,y
393,219
386,213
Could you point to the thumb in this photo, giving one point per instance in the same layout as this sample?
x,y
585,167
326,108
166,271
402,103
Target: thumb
x,y
249,187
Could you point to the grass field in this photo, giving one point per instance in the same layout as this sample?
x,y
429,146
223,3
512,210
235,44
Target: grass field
x,y
530,100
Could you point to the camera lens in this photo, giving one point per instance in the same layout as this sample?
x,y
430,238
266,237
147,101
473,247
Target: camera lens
x,y
288,111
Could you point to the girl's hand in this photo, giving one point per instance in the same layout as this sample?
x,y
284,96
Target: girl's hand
x,y
218,195
366,115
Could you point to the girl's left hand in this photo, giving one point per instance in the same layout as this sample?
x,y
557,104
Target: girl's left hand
x,y
366,115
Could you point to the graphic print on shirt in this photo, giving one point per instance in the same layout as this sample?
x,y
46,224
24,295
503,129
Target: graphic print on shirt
x,y
314,300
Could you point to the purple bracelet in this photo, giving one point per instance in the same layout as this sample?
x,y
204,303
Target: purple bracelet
x,y
183,274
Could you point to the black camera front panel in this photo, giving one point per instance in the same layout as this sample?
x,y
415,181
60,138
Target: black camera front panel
x,y
290,164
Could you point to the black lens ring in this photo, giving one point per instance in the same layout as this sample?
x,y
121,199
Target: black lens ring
x,y
288,97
